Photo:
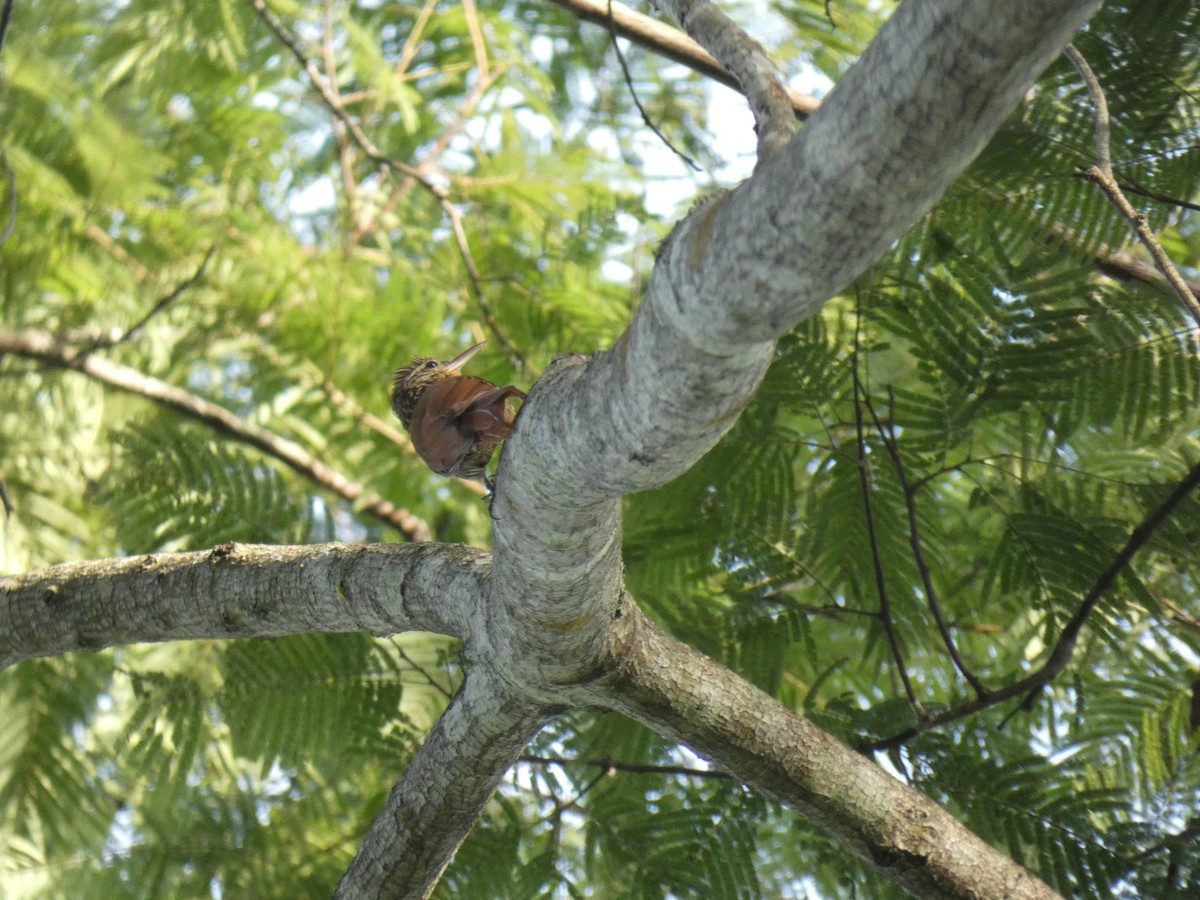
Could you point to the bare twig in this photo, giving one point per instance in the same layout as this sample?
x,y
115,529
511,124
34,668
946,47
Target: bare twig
x,y
864,480
8,507
334,104
471,16
646,120
41,345
1060,656
11,177
671,43
433,682
888,435
414,37
166,300
745,58
1102,174
438,147
5,16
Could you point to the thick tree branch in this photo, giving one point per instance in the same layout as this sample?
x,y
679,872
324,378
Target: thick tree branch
x,y
669,42
43,346
674,44
443,791
239,590
746,266
747,61
674,690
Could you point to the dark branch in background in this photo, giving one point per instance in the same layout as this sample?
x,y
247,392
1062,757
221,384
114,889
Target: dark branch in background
x,y
44,346
433,682
888,435
9,174
1060,656
328,93
612,34
8,507
1130,186
4,18
746,60
864,481
669,42
1102,174
100,341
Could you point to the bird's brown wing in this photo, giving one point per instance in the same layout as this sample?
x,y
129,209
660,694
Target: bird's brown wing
x,y
489,415
455,414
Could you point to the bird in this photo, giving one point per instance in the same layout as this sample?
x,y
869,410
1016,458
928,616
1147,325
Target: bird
x,y
456,421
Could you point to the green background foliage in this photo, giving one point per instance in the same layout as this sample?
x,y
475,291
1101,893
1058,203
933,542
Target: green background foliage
x,y
990,379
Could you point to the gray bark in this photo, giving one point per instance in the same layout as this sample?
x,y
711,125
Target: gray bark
x,y
549,623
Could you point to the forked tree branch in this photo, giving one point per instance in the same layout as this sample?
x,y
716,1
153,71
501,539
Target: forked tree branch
x,y
669,42
747,61
1102,174
1064,648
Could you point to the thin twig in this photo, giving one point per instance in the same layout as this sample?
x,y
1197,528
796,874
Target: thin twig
x,y
888,435
166,300
438,147
471,15
646,120
333,103
5,16
12,182
1130,186
1060,656
864,480
1102,174
47,348
433,682
745,58
8,507
414,37
345,160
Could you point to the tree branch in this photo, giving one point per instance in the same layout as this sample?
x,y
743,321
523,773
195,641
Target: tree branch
x,y
1060,656
1102,174
669,42
677,691
419,175
747,61
44,346
444,789
240,591
675,45
885,603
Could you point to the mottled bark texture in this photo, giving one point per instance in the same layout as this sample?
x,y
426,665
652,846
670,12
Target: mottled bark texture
x,y
549,625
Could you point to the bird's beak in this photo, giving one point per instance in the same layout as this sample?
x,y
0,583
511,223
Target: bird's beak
x,y
461,360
